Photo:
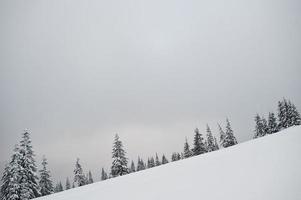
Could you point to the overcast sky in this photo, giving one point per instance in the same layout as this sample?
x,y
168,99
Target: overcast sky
x,y
77,72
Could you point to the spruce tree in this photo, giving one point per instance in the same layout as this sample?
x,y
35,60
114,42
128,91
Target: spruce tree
x,y
272,123
265,126
294,115
79,176
61,186
216,147
104,175
150,162
222,134
58,187
187,152
175,156
210,140
68,185
164,160
29,185
132,168
10,188
283,113
259,129
230,139
119,163
198,144
90,178
45,181
157,161
140,165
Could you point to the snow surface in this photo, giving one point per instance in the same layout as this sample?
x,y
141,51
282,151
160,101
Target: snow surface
x,y
267,168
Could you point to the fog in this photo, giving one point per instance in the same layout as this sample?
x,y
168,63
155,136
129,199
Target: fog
x,y
75,73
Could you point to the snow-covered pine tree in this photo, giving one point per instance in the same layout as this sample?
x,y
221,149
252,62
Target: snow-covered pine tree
x,y
259,129
90,178
58,187
140,165
79,176
283,110
29,183
157,161
68,185
143,165
119,163
222,134
265,126
10,188
152,162
45,180
230,139
294,115
187,152
199,146
104,175
61,186
216,147
175,156
272,123
132,168
210,139
164,160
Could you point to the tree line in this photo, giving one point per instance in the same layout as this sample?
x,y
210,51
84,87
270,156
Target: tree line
x,y
21,180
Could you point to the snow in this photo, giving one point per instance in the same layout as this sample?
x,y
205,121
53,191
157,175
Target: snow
x,y
265,168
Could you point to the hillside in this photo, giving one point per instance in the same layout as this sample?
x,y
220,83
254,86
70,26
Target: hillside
x,y
265,168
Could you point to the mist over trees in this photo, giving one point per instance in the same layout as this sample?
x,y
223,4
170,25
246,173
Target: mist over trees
x,y
21,180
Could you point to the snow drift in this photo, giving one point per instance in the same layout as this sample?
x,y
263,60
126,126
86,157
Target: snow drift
x,y
264,168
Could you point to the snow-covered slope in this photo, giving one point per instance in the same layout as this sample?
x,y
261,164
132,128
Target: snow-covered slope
x,y
267,168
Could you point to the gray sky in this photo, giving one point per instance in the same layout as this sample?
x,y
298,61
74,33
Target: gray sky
x,y
77,72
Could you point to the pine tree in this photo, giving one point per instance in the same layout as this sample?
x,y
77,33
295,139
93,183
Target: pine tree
x,y
10,188
79,176
157,162
272,124
164,160
45,181
259,129
216,147
150,162
265,126
198,144
175,156
230,139
210,140
132,168
140,165
104,175
283,110
222,134
119,163
90,178
187,152
68,185
58,187
61,186
29,185
294,115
